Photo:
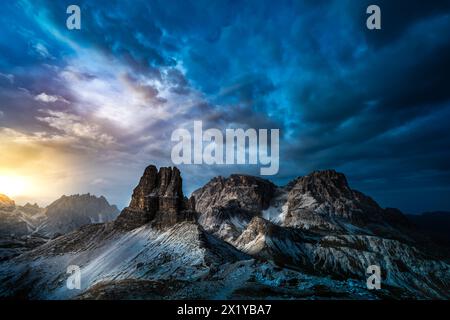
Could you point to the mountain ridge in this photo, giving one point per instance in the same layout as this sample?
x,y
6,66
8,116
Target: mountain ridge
x,y
234,237
23,228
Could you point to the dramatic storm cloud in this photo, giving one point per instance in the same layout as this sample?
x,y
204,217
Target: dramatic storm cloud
x,y
89,109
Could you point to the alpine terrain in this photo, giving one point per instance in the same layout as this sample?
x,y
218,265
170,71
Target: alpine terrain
x,y
240,237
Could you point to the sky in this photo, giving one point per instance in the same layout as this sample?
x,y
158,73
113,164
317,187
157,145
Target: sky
x,y
87,110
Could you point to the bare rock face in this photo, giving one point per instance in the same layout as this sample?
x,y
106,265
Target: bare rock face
x,y
323,200
32,209
268,241
252,193
226,205
328,192
10,223
6,204
226,222
68,213
17,224
158,198
147,184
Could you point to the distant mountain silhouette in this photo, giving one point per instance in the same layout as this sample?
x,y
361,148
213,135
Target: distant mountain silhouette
x,y
23,228
68,213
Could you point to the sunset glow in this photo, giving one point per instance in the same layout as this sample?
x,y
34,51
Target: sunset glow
x,y
13,186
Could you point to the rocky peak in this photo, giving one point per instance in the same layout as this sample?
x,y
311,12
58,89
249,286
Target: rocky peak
x,y
253,239
147,184
324,184
31,206
316,199
68,213
330,193
158,198
11,221
252,193
32,209
6,203
166,183
84,204
258,225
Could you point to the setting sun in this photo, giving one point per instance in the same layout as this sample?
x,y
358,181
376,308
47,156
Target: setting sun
x,y
12,186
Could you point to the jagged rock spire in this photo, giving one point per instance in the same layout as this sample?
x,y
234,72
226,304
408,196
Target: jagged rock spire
x,y
158,198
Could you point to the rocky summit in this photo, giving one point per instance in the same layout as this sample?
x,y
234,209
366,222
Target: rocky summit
x,y
240,237
23,228
6,203
68,213
158,198
16,221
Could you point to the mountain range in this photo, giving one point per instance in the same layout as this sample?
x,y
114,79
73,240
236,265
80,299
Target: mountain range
x,y
25,227
240,237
